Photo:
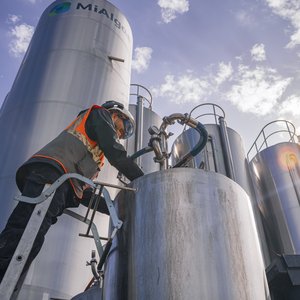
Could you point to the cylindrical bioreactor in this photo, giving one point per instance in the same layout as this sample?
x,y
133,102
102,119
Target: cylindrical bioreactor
x,y
224,153
150,118
187,234
80,55
276,174
212,157
145,118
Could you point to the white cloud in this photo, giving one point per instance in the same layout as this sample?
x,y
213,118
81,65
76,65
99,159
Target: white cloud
x,y
20,38
188,88
13,19
141,59
257,90
291,106
183,89
244,18
170,8
288,10
224,73
258,52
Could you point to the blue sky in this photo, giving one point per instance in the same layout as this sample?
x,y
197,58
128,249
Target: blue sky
x,y
243,55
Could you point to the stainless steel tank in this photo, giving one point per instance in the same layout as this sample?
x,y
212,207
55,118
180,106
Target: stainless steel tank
x,y
233,164
145,117
80,54
212,157
187,234
224,152
276,174
149,118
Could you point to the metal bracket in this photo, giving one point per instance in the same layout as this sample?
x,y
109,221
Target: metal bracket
x,y
116,58
117,223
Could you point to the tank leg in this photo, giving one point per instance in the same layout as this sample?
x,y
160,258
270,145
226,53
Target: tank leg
x,y
283,276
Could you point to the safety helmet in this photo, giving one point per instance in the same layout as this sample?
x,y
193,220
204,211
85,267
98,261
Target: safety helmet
x,y
124,114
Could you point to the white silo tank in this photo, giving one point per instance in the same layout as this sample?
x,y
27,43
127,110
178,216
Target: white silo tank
x,y
80,55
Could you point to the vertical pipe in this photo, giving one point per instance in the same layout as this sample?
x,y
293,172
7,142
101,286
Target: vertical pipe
x,y
139,127
213,146
226,149
164,150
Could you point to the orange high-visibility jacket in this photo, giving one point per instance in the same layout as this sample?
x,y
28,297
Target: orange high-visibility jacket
x,y
75,152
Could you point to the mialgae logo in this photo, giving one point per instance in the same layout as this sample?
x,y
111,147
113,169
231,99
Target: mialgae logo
x,y
60,9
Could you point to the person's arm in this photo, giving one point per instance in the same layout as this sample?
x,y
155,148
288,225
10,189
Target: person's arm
x,y
100,128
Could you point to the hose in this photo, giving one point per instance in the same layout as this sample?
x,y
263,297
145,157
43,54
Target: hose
x,y
141,152
104,255
197,148
156,144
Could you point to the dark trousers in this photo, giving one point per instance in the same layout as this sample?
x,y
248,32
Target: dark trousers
x,y
12,233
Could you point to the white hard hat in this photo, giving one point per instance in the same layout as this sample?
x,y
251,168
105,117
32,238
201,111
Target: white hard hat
x,y
124,114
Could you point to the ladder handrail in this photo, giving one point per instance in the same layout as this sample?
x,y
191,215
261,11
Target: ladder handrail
x,y
137,93
20,257
213,113
264,143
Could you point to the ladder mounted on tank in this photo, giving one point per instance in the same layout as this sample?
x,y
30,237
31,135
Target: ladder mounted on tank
x,y
13,278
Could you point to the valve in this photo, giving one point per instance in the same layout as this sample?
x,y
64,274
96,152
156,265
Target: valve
x,y
93,264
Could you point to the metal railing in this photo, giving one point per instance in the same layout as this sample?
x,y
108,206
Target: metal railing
x,y
216,111
141,92
288,128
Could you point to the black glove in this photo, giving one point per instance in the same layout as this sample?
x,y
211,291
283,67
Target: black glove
x,y
102,207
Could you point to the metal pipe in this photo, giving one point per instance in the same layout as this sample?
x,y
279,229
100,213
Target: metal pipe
x,y
183,119
90,205
139,127
115,186
116,58
164,150
206,162
98,193
226,149
157,150
214,152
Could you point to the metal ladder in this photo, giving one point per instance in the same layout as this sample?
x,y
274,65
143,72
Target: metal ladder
x,y
12,277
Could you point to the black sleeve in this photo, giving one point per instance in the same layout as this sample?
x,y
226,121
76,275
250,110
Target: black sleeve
x,y
100,128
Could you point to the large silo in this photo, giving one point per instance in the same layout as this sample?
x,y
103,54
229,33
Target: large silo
x,y
224,153
276,173
80,55
145,118
275,169
187,234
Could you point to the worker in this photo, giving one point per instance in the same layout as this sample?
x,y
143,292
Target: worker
x,y
80,149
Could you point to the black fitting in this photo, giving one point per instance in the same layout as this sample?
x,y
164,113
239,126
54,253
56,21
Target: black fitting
x,y
283,276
